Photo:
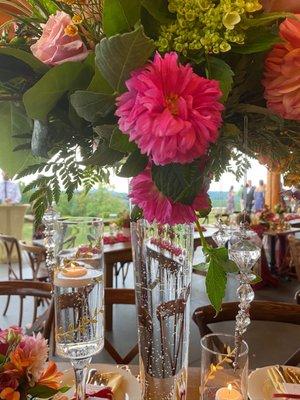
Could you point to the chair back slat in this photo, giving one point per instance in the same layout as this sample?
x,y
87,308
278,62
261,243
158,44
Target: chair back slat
x,y
38,290
12,248
120,296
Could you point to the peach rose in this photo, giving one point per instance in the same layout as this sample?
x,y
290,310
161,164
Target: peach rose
x,y
281,78
59,42
282,5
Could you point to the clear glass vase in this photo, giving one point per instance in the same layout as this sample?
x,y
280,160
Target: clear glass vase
x,y
219,379
163,257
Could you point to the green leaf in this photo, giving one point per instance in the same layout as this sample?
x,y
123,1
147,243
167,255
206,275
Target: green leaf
x,y
14,121
42,392
91,105
202,267
118,56
258,40
99,84
256,280
135,163
159,10
221,71
20,62
120,141
221,256
179,182
136,214
39,141
120,15
215,284
264,19
104,155
43,96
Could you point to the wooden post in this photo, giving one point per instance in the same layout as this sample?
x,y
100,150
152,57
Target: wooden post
x,y
273,189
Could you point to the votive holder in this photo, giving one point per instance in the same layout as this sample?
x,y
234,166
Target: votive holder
x,y
219,379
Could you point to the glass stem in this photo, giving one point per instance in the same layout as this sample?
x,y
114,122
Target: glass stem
x,y
80,370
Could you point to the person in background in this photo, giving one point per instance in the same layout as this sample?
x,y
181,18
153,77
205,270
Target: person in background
x,y
9,191
230,201
259,196
248,196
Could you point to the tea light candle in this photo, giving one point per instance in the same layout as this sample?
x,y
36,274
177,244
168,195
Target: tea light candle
x,y
74,270
228,393
73,280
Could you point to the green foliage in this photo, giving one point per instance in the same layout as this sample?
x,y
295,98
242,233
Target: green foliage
x,y
15,62
41,98
135,163
159,10
104,155
120,16
63,173
42,392
264,19
14,122
180,182
136,214
218,266
91,106
218,69
119,55
258,40
39,139
97,203
120,141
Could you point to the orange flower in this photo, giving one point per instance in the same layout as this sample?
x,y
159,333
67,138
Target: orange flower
x,y
19,360
282,80
51,376
282,5
9,394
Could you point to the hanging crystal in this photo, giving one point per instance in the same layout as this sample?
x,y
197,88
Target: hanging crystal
x,y
50,220
245,253
223,234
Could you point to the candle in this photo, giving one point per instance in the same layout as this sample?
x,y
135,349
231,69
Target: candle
x,y
74,270
228,393
91,276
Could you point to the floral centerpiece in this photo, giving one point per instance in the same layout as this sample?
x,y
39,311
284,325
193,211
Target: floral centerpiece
x,y
168,92
24,370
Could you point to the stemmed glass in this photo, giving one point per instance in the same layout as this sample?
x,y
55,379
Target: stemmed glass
x,y
79,329
79,293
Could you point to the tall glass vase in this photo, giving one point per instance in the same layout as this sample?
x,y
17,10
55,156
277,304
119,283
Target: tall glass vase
x,y
163,257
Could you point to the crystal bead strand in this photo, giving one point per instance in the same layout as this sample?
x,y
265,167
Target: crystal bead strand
x,y
245,254
50,220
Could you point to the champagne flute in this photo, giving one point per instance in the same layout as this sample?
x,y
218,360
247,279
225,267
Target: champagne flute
x,y
79,310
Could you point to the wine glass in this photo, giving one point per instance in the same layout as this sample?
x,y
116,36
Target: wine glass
x,y
79,310
80,239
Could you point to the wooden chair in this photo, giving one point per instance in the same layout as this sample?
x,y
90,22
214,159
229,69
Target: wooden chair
x,y
294,245
33,289
260,311
12,248
119,296
36,256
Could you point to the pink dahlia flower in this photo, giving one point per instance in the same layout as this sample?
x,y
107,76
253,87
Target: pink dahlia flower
x,y
159,208
56,46
169,111
282,80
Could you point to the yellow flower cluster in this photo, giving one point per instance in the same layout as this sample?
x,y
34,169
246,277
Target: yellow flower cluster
x,y
211,25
